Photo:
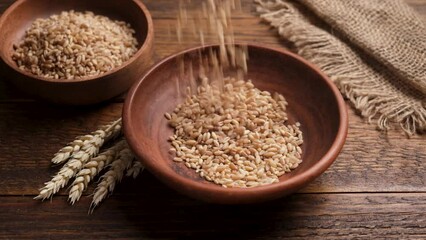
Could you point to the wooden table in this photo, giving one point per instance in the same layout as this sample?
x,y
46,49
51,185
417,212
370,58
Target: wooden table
x,y
376,187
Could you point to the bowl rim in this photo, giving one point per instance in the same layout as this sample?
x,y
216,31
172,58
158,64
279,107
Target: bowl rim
x,y
142,48
180,182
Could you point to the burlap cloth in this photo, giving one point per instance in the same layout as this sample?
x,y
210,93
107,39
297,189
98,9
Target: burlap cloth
x,y
374,51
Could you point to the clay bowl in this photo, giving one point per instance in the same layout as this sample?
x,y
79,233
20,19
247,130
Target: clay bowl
x,y
313,101
19,16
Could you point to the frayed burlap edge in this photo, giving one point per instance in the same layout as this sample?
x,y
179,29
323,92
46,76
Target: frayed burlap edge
x,y
373,90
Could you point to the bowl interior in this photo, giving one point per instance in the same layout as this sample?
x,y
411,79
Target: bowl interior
x,y
20,16
312,101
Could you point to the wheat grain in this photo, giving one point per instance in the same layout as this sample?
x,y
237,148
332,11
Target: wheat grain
x,y
66,152
76,160
61,179
74,45
135,169
237,137
88,143
93,168
230,132
213,24
110,178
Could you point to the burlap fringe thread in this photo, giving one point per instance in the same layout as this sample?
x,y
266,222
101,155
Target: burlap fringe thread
x,y
374,91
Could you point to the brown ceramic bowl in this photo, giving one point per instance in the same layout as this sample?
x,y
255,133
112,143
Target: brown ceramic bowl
x,y
19,16
313,101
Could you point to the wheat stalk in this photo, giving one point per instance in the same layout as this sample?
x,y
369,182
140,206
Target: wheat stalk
x,y
93,168
84,143
76,160
135,169
114,175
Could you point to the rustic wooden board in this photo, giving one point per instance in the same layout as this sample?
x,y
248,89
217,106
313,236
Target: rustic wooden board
x,y
162,215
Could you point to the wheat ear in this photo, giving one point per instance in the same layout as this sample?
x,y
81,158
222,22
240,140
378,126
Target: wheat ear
x,y
114,175
92,168
84,142
92,144
135,169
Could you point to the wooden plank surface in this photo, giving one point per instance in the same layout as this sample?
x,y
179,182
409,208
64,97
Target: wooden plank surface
x,y
162,215
375,189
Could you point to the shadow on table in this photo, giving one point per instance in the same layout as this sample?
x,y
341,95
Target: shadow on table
x,y
155,211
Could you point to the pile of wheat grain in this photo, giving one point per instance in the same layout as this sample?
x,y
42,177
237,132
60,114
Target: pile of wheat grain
x,y
73,45
229,132
237,137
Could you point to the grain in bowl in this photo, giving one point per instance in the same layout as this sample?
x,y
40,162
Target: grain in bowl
x,y
235,137
73,45
230,132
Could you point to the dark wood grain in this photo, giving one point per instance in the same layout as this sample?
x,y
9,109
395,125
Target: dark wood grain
x,y
161,215
375,189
